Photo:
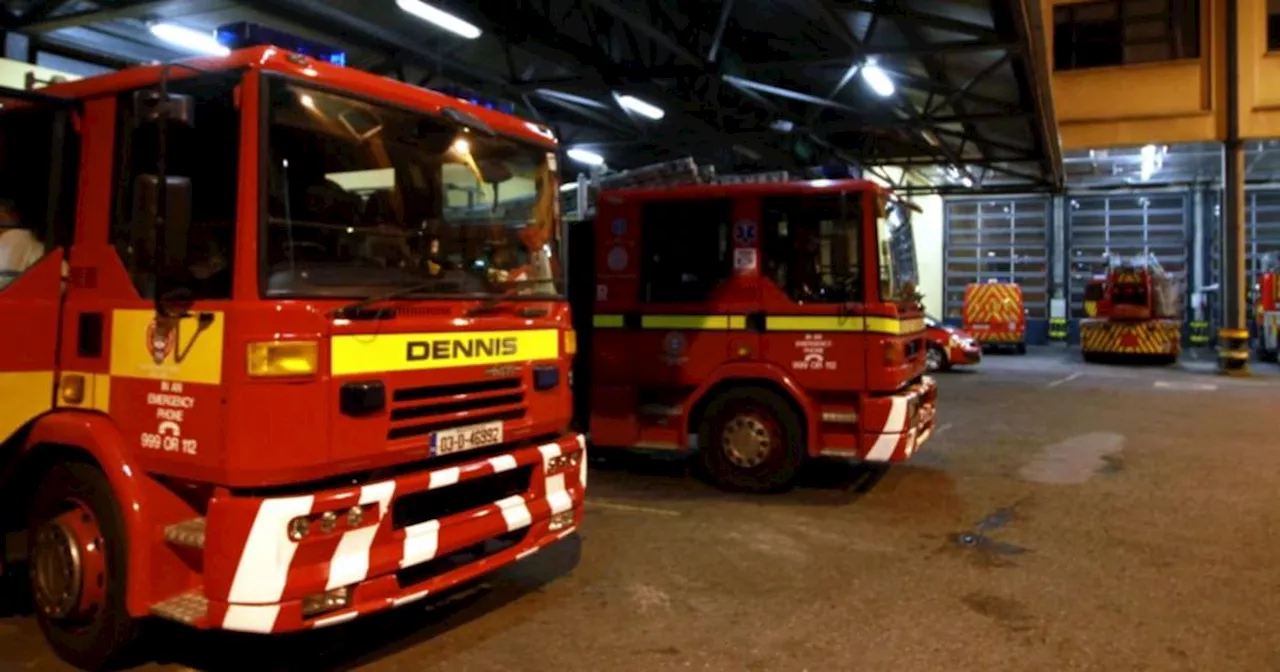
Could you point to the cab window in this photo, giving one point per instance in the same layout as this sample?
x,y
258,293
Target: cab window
x,y
685,250
206,152
812,246
39,166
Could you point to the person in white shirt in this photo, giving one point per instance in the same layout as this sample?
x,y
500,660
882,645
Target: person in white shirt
x,y
20,249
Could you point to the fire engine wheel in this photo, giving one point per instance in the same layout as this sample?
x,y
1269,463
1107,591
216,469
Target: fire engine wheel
x,y
750,439
935,359
77,566
1020,348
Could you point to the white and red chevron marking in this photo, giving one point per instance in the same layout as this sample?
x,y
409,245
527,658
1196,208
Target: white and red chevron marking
x,y
257,584
888,432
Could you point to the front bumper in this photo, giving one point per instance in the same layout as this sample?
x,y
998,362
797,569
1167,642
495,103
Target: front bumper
x,y
1148,337
257,578
961,355
894,427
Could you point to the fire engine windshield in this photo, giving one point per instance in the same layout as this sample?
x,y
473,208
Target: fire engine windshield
x,y
363,199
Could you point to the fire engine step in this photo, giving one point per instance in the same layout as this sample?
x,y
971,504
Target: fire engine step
x,y
188,533
188,608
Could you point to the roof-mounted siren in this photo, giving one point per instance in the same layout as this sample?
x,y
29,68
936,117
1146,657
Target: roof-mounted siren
x,y
244,34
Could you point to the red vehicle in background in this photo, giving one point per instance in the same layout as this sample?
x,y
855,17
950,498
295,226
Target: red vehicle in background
x,y
761,324
1267,310
305,393
949,346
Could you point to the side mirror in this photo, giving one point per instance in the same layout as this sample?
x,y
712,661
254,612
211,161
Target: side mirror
x,y
149,105
169,235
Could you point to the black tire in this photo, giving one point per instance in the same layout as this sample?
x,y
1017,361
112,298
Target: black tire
x,y
1092,357
779,467
1020,348
101,639
935,354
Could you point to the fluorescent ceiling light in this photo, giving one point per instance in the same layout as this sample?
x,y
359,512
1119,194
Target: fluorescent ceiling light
x,y
188,39
877,79
782,125
439,18
640,107
586,156
570,186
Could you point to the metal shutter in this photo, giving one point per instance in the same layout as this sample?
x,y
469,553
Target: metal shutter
x,y
1127,225
998,239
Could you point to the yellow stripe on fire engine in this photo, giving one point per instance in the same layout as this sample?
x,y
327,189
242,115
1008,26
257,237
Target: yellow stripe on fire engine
x,y
879,325
694,322
24,395
182,350
607,321
385,353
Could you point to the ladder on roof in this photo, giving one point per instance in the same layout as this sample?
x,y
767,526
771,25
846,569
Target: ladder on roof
x,y
578,199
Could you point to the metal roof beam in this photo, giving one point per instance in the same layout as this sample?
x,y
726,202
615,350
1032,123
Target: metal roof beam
x,y
128,9
655,34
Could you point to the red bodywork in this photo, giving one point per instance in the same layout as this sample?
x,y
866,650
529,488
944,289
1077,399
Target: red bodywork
x,y
1267,312
272,449
654,366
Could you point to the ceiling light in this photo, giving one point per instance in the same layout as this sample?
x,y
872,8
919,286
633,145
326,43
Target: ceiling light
x,y
782,125
188,39
877,79
570,186
586,156
461,147
641,107
439,18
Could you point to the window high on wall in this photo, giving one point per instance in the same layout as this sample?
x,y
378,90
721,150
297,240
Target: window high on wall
x,y
1124,32
1273,25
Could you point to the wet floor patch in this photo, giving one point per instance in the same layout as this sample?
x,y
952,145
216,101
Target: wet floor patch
x,y
1076,460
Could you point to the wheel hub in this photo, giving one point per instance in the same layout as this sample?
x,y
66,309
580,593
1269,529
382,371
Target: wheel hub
x,y
67,565
934,359
746,441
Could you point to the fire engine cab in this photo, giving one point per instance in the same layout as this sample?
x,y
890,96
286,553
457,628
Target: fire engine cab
x,y
296,350
762,324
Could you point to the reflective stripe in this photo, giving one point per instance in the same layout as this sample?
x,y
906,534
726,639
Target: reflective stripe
x,y
847,323
693,322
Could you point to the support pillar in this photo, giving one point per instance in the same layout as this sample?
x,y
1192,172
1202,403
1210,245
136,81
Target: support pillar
x,y
1233,336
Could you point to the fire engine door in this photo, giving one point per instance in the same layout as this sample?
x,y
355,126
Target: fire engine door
x,y
37,187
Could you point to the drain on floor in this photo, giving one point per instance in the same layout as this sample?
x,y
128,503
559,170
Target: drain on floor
x,y
991,551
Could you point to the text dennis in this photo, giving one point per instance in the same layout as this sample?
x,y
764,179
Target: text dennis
x,y
452,348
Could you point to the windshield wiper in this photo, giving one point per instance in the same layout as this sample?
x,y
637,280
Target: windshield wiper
x,y
352,310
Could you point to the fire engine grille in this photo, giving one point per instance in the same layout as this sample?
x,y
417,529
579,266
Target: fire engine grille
x,y
417,411
420,507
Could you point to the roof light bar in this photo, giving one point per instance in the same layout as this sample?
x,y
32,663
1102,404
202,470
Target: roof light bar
x,y
877,79
640,107
189,39
439,18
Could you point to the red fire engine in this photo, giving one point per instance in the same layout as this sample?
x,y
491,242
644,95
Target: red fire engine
x,y
760,323
1135,310
1267,310
308,358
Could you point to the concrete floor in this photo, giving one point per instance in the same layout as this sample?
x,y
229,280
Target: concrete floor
x,y
1065,516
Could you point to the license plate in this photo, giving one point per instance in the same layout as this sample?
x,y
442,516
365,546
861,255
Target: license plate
x,y
458,439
